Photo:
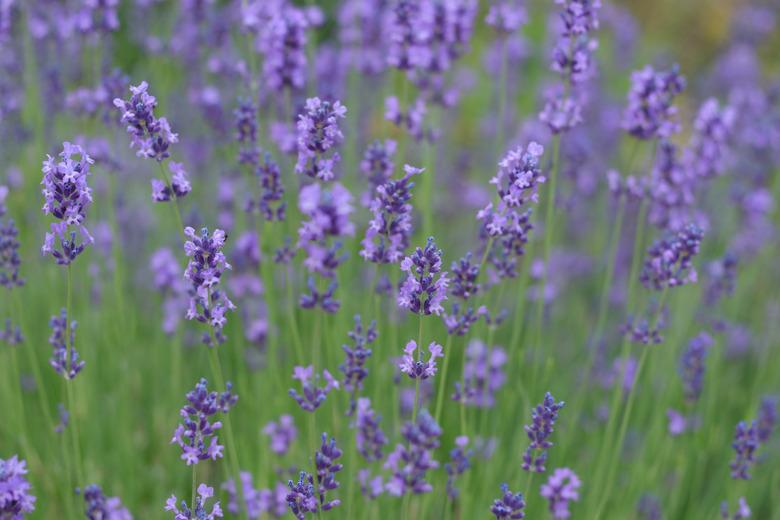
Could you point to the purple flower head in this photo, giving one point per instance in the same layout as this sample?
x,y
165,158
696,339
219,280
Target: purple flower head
x,y
423,292
388,232
378,162
671,189
509,506
460,320
561,488
561,112
100,507
318,135
64,416
460,461
650,113
417,369
369,437
282,41
572,54
692,365
543,418
65,359
746,442
328,210
354,366
180,185
767,418
15,497
208,303
410,462
313,396
669,261
11,335
246,132
412,120
323,299
677,423
506,16
149,135
403,37
721,278
67,197
199,511
466,274
742,512
370,487
256,502
327,467
302,497
282,434
10,261
483,375
706,154
197,436
362,34
269,203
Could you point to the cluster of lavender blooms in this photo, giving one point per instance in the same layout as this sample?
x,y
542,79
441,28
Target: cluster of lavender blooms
x,y
197,436
168,281
282,434
411,119
650,113
707,154
543,418
354,366
67,196
64,359
505,226
101,507
304,497
207,302
409,463
10,261
464,287
389,230
369,437
561,488
313,396
99,101
692,365
509,506
318,136
743,510
422,291
16,499
669,261
572,59
199,510
152,136
416,368
506,16
257,502
749,437
377,165
460,462
10,334
483,375
721,278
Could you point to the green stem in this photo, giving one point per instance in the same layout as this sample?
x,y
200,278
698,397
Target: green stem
x,y
443,379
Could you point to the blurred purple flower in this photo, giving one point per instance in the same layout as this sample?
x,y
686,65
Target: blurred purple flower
x,y
509,506
312,396
282,434
65,359
409,463
318,134
543,418
650,113
561,488
15,497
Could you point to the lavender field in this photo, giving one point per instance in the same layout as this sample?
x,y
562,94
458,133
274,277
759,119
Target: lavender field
x,y
389,259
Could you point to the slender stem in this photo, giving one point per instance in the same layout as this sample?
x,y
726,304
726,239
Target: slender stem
x,y
74,427
194,478
179,221
443,379
417,380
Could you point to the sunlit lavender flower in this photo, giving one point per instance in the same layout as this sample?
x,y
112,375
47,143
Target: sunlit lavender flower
x,y
15,497
650,113
100,507
67,197
149,135
459,463
483,375
282,434
354,366
10,261
208,304
692,365
543,418
409,463
573,52
377,163
389,230
742,512
706,154
422,292
318,135
561,488
65,359
327,467
313,396
767,418
199,511
369,437
509,506
417,369
669,261
197,436
745,444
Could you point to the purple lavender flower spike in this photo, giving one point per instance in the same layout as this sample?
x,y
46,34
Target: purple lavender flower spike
x,y
767,418
417,369
208,303
742,512
706,155
543,418
246,132
721,278
313,396
322,299
15,497
402,35
370,487
101,507
270,203
64,416
10,334
199,511
369,437
302,497
282,434
65,359
10,261
318,135
390,228
509,506
650,113
745,444
256,502
354,366
67,197
459,464
412,119
669,261
282,41
377,163
422,292
149,135
327,467
483,375
692,365
561,488
197,436
506,16
409,463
